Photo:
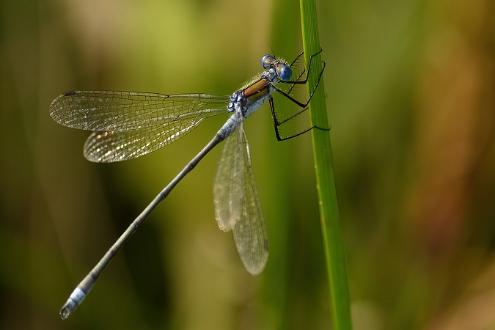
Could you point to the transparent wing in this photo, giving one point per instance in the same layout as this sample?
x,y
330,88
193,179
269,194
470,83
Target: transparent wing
x,y
125,111
229,183
249,232
113,146
237,206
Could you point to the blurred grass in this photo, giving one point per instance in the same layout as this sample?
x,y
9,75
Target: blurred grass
x,y
410,87
279,213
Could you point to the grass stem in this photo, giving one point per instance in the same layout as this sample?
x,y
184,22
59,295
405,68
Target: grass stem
x,y
325,180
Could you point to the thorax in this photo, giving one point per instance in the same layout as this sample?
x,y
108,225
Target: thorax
x,y
248,99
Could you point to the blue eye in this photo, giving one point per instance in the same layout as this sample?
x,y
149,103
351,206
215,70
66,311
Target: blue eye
x,y
285,72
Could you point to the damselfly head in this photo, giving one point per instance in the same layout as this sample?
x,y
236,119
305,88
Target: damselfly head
x,y
280,66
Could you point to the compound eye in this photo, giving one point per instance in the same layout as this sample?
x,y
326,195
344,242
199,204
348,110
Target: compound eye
x,y
284,72
267,61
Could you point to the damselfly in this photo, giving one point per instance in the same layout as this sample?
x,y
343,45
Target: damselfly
x,y
127,125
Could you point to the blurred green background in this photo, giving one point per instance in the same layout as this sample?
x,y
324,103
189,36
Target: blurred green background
x,y
410,93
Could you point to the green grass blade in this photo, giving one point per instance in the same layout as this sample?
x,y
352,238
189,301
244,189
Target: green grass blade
x,y
325,180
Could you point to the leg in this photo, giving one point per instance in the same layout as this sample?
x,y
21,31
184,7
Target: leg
x,y
297,81
292,64
294,85
301,104
301,133
293,116
275,120
297,57
277,123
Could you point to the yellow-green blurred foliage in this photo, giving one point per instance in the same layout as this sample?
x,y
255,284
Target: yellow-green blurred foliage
x,y
410,93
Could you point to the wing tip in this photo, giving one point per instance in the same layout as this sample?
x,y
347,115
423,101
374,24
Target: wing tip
x,y
93,158
255,262
258,267
96,153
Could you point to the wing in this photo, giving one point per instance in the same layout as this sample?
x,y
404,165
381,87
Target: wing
x,y
129,124
236,202
113,146
249,232
125,111
229,183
